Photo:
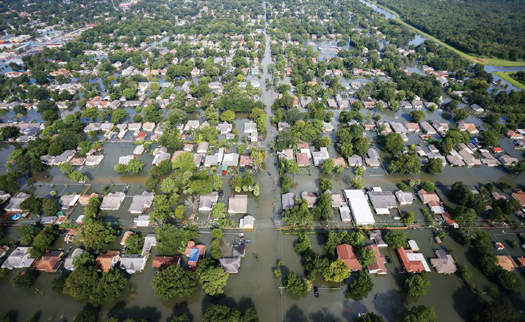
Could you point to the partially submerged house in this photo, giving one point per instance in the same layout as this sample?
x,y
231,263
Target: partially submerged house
x,y
50,262
207,201
379,266
238,204
19,258
141,203
346,253
16,201
444,263
412,262
382,201
106,261
133,263
112,201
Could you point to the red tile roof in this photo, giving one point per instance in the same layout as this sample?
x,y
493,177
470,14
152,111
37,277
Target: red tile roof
x,y
410,266
346,253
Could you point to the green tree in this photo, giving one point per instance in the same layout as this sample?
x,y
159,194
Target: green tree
x,y
393,143
78,176
25,279
417,115
357,182
95,235
184,162
173,282
418,313
396,239
171,238
359,287
228,116
179,212
215,251
304,244
43,241
293,283
213,280
220,313
336,272
109,287
405,164
27,234
135,165
33,205
118,115
368,257
218,210
408,218
416,286
323,206
134,243
327,166
434,166
49,207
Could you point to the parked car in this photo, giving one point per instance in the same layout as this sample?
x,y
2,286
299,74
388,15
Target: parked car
x,y
388,259
316,291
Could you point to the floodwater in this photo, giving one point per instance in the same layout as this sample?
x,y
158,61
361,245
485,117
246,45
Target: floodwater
x,y
255,284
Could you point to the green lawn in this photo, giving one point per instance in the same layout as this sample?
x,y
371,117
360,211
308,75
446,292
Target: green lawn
x,y
473,59
506,76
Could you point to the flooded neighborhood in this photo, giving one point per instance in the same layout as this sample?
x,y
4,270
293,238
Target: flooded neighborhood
x,y
311,160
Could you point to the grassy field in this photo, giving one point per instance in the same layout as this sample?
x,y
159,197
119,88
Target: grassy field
x,y
473,59
506,76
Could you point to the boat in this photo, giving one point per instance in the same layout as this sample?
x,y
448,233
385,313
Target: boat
x,y
15,217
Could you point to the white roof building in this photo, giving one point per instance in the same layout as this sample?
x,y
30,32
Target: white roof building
x,y
19,258
361,211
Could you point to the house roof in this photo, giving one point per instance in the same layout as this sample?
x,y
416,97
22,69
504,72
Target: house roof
x,y
50,262
379,266
444,263
506,262
382,199
132,263
346,253
207,201
288,200
19,258
105,261
404,197
141,202
238,204
377,237
359,206
112,201
161,262
520,197
302,159
230,264
413,262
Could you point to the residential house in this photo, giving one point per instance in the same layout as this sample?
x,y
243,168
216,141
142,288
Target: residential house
x,y
377,237
302,159
288,200
19,258
321,156
94,160
520,198
468,127
224,128
203,147
507,160
68,201
282,126
125,159
68,264
382,201
379,266
427,128
207,201
250,129
106,261
346,253
66,156
194,252
247,222
310,197
112,201
230,160
16,201
355,161
238,204
161,262
133,263
404,197
141,203
160,154
444,263
506,262
412,262
50,262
